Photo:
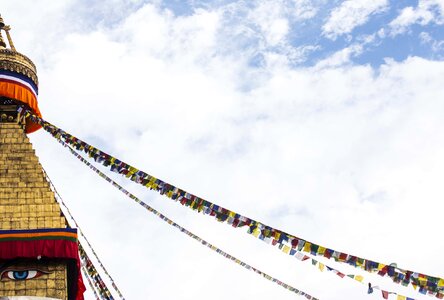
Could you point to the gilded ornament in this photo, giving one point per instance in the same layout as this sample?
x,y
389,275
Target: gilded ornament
x,y
12,60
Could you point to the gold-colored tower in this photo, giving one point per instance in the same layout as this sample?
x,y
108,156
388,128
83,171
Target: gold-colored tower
x,y
27,202
29,214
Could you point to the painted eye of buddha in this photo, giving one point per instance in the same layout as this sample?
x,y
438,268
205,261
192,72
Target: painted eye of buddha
x,y
21,274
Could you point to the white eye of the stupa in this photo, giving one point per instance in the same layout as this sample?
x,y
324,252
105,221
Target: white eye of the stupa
x,y
21,274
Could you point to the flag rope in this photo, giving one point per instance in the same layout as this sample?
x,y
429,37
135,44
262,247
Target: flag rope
x,y
357,278
426,283
91,271
300,256
61,202
187,232
85,274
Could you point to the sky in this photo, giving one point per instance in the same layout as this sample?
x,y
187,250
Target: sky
x,y
321,118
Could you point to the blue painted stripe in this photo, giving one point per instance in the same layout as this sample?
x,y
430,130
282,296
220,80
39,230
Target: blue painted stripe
x,y
22,77
42,230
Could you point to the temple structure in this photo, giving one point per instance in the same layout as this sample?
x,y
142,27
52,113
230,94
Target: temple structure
x,y
38,252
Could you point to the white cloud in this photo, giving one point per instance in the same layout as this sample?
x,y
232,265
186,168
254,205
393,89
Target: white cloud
x,y
345,55
381,33
426,12
350,14
425,37
341,154
263,29
272,21
304,9
341,57
436,45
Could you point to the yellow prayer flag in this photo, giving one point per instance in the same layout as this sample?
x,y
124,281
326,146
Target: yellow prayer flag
x,y
321,267
359,278
307,246
231,214
321,250
286,249
256,232
441,282
401,297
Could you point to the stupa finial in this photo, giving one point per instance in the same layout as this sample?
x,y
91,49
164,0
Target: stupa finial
x,y
2,25
18,81
5,28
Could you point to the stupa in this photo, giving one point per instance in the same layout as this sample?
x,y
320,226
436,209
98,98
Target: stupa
x,y
38,251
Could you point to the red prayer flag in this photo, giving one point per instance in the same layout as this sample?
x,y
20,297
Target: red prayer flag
x,y
385,294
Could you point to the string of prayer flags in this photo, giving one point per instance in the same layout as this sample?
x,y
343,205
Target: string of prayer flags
x,y
62,203
94,276
385,294
430,284
93,288
286,249
358,278
187,232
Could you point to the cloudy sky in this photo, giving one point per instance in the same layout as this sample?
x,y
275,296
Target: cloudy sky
x,y
321,118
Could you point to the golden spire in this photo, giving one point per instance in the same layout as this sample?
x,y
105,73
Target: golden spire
x,y
19,80
6,28
12,60
2,25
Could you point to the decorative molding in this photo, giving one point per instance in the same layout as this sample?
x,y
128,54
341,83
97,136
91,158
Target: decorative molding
x,y
19,63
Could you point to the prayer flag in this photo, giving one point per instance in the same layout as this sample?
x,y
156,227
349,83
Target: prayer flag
x,y
286,249
370,288
307,247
